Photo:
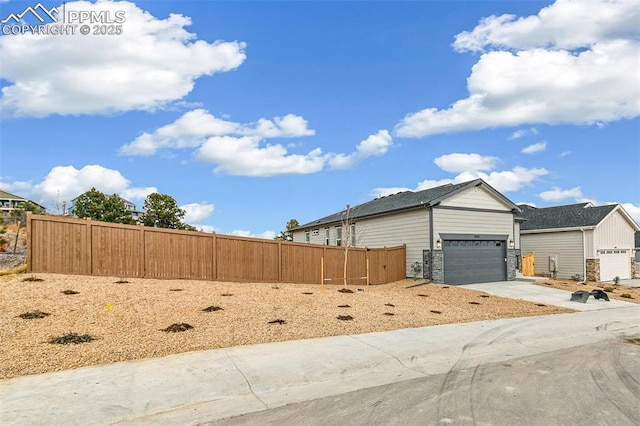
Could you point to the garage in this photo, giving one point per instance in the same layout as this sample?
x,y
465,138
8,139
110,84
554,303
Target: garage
x,y
475,260
615,263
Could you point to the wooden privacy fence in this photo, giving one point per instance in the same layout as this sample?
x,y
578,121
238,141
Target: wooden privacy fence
x,y
86,247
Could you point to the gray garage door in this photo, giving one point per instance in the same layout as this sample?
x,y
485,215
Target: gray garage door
x,y
473,261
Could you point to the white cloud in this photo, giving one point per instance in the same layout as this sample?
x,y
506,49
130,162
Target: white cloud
x,y
475,166
152,63
383,192
374,145
557,194
243,156
240,149
594,83
633,210
565,153
536,147
64,183
523,132
16,186
196,212
566,24
457,162
193,128
268,235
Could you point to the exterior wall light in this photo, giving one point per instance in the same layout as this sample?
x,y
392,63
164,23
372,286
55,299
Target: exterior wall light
x,y
438,244
511,244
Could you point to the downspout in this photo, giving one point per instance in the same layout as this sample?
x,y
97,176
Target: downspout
x,y
584,257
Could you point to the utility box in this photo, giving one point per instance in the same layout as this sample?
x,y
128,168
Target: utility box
x,y
554,266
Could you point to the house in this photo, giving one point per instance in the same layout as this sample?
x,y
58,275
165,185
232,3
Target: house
x,y
9,202
131,208
128,206
637,245
454,234
579,241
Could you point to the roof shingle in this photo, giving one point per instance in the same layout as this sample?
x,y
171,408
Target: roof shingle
x,y
391,203
570,216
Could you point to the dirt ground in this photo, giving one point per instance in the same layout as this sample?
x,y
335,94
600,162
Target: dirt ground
x,y
619,292
127,318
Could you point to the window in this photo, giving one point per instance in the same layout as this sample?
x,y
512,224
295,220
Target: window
x,y
352,234
307,237
326,236
338,235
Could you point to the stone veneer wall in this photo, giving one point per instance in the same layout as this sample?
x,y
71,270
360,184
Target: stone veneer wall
x,y
593,270
512,260
437,266
633,266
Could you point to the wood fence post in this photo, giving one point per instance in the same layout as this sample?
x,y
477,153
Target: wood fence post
x,y
89,255
280,261
29,242
214,256
142,267
322,273
367,259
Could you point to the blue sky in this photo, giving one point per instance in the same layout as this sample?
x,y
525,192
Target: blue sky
x,y
253,113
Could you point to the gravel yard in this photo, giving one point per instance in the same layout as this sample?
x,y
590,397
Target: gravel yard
x,y
614,291
127,318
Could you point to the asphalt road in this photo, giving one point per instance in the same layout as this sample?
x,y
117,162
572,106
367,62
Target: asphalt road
x,y
596,384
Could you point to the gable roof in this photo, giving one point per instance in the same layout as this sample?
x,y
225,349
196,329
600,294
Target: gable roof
x,y
405,200
10,196
5,194
570,216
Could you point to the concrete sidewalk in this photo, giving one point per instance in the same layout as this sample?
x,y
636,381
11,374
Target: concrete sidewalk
x,y
204,386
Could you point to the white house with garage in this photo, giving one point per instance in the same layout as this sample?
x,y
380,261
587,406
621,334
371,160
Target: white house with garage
x,y
454,234
580,241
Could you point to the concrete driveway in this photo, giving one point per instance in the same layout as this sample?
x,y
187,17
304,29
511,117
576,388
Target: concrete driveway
x,y
198,387
549,296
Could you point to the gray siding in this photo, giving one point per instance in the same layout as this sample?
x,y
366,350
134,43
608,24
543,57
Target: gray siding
x,y
478,198
409,227
568,246
471,222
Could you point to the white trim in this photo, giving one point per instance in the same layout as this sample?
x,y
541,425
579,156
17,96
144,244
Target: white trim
x,y
541,231
624,213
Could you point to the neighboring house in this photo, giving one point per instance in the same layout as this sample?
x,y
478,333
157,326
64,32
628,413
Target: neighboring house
x,y
9,202
128,206
579,240
454,234
637,245
131,208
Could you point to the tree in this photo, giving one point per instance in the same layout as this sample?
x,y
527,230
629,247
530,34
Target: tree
x,y
288,235
346,239
19,216
95,205
162,211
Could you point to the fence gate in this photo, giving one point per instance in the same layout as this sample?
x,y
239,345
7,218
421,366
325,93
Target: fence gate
x,y
528,261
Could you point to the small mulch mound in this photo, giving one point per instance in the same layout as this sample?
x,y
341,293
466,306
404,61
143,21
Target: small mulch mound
x,y
345,317
72,338
177,328
34,315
